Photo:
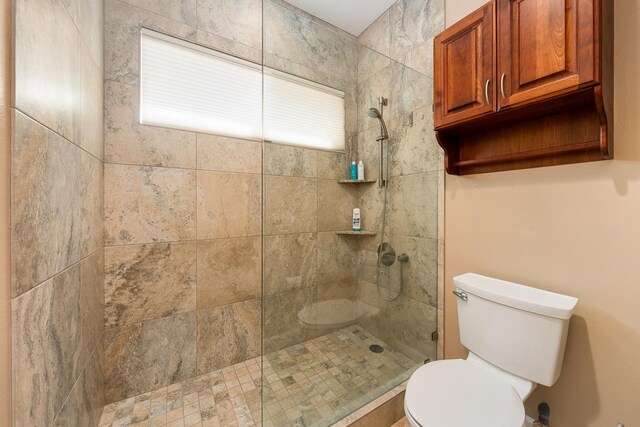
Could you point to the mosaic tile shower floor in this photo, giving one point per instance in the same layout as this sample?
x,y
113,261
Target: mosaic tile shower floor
x,y
314,383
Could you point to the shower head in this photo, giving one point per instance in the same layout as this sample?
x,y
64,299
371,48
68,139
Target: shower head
x,y
374,113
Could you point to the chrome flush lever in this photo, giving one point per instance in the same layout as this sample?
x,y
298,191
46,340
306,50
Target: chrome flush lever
x,y
462,295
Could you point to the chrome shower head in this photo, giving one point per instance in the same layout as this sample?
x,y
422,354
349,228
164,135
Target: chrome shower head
x,y
374,113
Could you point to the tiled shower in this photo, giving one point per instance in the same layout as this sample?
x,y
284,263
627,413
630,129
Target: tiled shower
x,y
192,255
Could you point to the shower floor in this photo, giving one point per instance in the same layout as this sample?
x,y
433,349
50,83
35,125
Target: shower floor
x,y
314,383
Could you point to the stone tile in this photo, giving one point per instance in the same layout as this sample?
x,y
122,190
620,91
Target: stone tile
x,y
122,25
315,19
290,161
351,110
228,334
413,149
369,150
378,84
412,323
420,58
47,62
413,206
228,205
373,311
371,204
335,205
299,381
84,404
88,18
91,304
237,20
129,142
290,205
294,37
413,22
46,234
229,271
146,204
370,62
368,261
91,204
410,91
46,347
219,153
336,257
229,46
149,281
145,356
332,165
343,289
305,71
178,10
289,262
282,327
420,273
91,121
377,36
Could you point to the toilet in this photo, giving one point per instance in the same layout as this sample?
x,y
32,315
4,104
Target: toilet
x,y
516,338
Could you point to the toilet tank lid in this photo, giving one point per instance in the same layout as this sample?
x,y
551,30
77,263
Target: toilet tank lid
x,y
517,296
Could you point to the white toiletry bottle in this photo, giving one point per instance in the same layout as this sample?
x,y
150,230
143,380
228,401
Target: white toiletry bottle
x,y
356,219
360,171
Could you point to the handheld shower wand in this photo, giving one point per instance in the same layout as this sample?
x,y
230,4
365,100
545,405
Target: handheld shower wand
x,y
376,113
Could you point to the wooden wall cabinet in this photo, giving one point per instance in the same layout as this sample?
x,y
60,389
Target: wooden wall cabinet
x,y
466,68
525,83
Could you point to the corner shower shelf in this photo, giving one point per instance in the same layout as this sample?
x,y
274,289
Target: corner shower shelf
x,y
357,181
356,233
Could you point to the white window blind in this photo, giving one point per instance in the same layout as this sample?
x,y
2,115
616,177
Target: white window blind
x,y
185,86
304,113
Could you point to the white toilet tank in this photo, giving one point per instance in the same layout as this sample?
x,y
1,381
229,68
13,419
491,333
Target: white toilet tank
x,y
519,329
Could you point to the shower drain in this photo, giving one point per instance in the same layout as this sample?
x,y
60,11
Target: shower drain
x,y
376,348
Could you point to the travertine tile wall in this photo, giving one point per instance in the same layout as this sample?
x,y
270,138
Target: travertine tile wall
x,y
56,209
182,213
183,220
305,261
395,60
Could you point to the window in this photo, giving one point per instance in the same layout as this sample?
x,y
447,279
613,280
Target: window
x,y
301,112
185,86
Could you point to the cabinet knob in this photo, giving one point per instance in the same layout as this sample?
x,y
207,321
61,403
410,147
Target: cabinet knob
x,y
486,90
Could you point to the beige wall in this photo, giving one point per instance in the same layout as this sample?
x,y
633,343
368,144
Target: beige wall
x,y
571,229
5,277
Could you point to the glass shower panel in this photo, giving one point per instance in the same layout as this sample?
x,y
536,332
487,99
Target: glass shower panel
x,y
339,327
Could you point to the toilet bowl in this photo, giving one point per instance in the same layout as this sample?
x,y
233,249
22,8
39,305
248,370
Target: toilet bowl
x,y
459,393
516,337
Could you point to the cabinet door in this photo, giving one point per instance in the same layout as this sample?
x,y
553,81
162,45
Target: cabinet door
x,y
464,71
545,48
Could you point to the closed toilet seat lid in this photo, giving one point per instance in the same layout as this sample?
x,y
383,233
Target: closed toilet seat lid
x,y
455,393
